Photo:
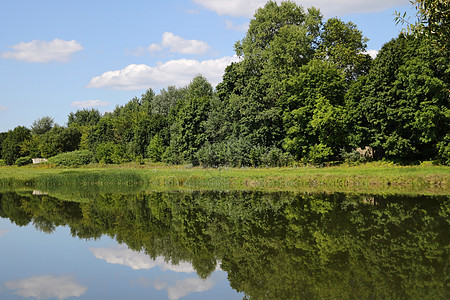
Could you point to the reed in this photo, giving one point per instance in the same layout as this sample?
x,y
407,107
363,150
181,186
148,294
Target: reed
x,y
372,177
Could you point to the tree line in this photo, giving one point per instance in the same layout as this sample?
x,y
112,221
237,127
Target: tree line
x,y
304,90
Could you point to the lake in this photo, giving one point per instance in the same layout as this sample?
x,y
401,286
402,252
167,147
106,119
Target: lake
x,y
84,244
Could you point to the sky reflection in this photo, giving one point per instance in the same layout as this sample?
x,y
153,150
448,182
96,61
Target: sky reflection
x,y
138,260
47,286
3,232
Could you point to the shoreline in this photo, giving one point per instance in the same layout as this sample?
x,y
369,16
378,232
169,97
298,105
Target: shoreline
x,y
370,178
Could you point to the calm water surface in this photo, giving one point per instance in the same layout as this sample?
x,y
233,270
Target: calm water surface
x,y
223,245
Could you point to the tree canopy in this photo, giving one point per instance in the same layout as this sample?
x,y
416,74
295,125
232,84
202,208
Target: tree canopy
x,y
303,91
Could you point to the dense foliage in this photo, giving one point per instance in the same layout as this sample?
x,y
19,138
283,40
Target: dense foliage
x,y
279,245
304,90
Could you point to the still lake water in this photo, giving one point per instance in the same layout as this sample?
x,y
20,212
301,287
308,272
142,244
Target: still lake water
x,y
223,245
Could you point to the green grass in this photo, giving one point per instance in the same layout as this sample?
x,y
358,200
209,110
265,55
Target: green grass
x,y
371,177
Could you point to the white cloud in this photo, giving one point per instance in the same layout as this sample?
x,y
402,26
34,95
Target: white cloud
x,y
240,27
174,72
154,48
3,232
177,44
138,260
235,8
247,8
89,103
372,53
193,11
2,108
42,51
45,287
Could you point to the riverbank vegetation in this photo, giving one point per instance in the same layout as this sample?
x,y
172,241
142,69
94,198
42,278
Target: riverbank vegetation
x,y
304,91
375,177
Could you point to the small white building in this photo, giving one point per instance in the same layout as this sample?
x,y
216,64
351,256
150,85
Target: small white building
x,y
39,160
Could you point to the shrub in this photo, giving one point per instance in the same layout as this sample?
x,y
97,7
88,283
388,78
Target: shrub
x,y
444,150
22,161
171,156
73,159
352,156
275,157
155,149
110,153
232,152
320,153
2,162
207,156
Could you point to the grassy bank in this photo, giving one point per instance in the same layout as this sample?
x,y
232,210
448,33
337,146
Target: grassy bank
x,y
372,177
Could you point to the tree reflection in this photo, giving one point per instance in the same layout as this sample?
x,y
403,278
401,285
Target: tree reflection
x,y
277,245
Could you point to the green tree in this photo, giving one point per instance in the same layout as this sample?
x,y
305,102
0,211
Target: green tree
x,y
12,144
110,153
432,21
344,45
167,100
188,130
42,125
155,149
3,136
313,106
404,104
32,146
59,140
84,117
280,39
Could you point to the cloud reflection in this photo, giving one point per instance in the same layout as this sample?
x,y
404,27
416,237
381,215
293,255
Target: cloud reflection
x,y
187,286
48,286
3,232
180,288
138,260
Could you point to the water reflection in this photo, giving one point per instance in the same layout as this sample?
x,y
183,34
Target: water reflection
x,y
3,232
180,288
278,245
138,260
45,287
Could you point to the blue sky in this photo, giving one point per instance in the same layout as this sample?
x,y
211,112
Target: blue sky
x,y
59,56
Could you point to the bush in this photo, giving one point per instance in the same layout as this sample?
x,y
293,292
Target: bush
x,y
73,159
207,156
2,162
155,149
240,153
22,161
444,150
232,152
319,153
110,153
170,156
352,156
274,157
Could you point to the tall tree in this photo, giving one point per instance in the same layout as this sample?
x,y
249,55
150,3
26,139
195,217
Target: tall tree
x,y
60,139
280,39
312,105
344,45
433,21
188,129
404,105
12,144
42,125
84,117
